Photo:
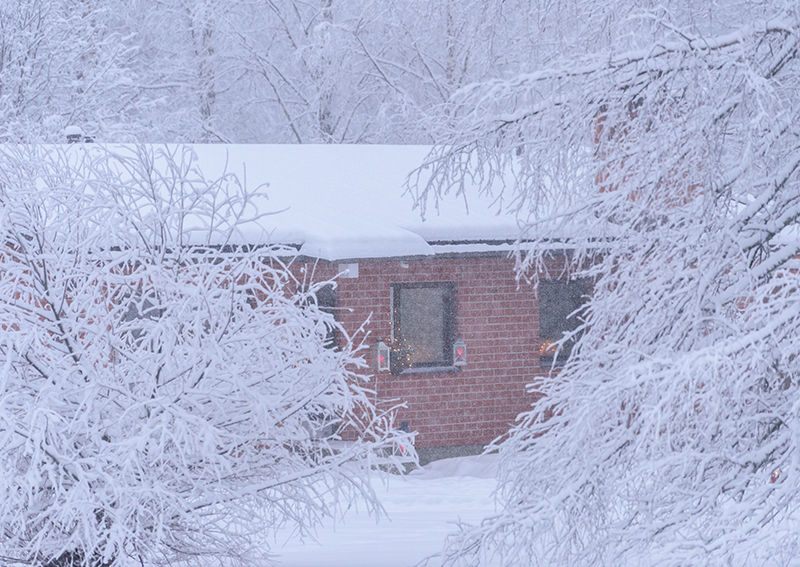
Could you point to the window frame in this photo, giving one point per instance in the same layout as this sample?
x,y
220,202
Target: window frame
x,y
448,327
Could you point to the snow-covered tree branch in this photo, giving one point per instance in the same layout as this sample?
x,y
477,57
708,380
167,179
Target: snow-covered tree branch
x,y
668,175
166,391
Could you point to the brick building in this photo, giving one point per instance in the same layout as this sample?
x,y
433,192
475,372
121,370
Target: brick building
x,y
482,306
426,285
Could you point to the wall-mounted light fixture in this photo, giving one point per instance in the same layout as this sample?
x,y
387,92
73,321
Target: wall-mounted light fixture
x,y
383,353
459,352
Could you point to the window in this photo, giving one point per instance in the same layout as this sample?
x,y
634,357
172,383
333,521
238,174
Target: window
x,y
560,313
423,325
141,313
326,301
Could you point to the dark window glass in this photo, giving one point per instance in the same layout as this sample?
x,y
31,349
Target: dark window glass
x,y
560,305
422,324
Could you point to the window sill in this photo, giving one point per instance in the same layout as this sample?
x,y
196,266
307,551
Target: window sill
x,y
551,366
431,370
546,361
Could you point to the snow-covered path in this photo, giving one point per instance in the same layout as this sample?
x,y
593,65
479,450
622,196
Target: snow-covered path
x,y
422,509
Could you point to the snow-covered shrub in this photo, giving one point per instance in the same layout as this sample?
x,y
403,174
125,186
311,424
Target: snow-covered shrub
x,y
162,381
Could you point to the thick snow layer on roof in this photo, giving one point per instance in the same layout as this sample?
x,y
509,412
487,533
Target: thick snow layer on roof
x,y
348,201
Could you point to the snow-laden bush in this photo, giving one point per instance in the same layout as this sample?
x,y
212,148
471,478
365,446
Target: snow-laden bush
x,y
669,176
166,393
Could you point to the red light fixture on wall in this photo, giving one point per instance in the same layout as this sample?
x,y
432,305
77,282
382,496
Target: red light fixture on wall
x,y
459,353
383,355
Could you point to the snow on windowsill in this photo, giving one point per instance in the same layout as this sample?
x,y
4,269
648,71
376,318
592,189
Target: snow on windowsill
x,y
431,370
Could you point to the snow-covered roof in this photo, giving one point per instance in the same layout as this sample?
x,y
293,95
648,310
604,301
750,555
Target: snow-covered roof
x,y
339,202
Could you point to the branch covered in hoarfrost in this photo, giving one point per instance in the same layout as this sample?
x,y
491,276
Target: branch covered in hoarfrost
x,y
669,178
167,392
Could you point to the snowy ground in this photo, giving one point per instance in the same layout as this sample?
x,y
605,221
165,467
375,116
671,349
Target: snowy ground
x,y
422,509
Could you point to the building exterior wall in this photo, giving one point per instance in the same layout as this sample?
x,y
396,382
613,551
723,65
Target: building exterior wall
x,y
497,319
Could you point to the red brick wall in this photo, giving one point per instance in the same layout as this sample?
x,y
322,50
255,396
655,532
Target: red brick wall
x,y
497,320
